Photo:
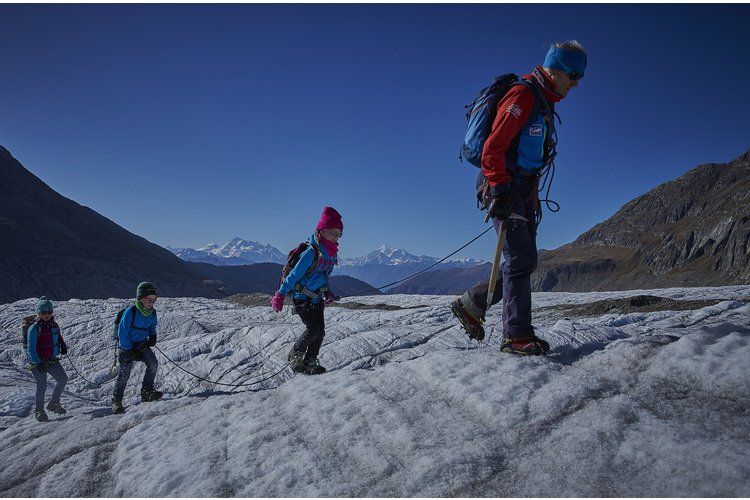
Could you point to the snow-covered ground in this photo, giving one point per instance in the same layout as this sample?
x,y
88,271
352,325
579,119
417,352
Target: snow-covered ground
x,y
638,404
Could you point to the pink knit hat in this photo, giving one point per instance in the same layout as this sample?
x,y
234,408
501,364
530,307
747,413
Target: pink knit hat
x,y
330,219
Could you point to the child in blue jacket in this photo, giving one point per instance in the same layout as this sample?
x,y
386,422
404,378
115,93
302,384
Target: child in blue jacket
x,y
44,344
137,334
308,282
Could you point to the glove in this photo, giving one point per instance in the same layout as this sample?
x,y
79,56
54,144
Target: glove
x,y
277,302
499,202
41,366
151,342
63,349
328,297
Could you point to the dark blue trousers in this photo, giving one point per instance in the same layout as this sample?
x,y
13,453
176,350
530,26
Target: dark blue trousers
x,y
521,258
126,365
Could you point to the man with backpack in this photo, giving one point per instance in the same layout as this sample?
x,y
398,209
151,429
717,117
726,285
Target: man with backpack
x,y
518,148
137,334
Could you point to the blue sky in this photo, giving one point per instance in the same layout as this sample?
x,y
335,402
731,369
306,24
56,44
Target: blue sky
x,y
191,124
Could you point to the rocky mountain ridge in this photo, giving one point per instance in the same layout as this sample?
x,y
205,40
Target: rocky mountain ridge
x,y
691,231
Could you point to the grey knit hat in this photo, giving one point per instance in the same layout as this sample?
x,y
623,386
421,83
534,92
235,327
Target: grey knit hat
x,y
44,305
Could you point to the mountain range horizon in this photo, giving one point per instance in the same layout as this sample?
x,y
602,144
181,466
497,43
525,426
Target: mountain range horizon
x,y
692,231
254,252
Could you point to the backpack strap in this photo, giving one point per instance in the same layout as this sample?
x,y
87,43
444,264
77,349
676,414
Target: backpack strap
x,y
133,309
537,100
550,141
303,289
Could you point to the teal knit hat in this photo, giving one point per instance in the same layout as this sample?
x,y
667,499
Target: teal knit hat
x,y
44,305
144,290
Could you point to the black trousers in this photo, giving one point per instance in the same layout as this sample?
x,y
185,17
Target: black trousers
x,y
311,339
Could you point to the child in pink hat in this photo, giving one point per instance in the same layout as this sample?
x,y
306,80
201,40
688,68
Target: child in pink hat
x,y
308,282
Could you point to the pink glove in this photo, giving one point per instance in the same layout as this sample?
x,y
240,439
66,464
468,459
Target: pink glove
x,y
328,297
277,302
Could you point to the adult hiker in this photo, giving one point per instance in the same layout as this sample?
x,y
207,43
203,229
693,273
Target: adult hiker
x,y
308,282
517,151
44,344
137,334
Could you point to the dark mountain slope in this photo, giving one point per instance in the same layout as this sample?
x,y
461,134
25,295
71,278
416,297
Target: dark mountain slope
x,y
53,246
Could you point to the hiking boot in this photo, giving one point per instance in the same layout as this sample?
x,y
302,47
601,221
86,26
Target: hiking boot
x,y
312,367
56,407
149,394
117,407
296,361
40,416
524,345
472,325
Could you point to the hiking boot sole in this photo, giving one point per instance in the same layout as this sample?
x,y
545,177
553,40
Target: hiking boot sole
x,y
458,312
511,350
538,347
297,368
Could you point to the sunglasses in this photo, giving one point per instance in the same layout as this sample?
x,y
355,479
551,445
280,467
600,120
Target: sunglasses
x,y
572,74
336,233
149,301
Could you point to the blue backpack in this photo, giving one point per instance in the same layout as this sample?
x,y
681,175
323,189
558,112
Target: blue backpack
x,y
481,115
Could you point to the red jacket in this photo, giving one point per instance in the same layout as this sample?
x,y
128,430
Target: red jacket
x,y
512,112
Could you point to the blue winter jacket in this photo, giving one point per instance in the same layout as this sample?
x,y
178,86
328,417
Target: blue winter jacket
x,y
143,326
316,280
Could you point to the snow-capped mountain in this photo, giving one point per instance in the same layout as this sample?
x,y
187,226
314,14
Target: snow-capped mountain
x,y
236,252
387,264
380,267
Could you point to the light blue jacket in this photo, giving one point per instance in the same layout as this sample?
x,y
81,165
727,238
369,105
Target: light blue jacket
x,y
316,280
143,326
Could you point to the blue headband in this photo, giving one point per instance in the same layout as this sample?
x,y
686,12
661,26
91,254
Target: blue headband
x,y
565,60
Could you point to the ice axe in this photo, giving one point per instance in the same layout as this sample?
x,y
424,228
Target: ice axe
x,y
498,254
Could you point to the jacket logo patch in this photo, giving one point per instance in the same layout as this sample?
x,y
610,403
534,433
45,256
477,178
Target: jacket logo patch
x,y
514,110
536,130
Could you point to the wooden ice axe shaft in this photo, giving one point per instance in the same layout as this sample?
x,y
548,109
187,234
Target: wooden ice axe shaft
x,y
498,256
